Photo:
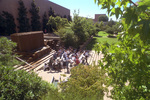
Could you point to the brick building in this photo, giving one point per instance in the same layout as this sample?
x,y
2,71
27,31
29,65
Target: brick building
x,y
11,6
97,17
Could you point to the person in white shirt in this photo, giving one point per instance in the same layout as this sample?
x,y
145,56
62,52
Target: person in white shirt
x,y
45,66
72,60
86,56
67,63
81,57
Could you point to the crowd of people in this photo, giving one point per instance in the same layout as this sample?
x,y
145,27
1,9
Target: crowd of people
x,y
65,58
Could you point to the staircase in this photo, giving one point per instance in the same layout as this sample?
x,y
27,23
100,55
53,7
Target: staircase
x,y
37,64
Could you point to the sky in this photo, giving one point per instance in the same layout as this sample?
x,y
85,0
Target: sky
x,y
87,8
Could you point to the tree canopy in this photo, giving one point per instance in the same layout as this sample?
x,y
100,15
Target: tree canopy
x,y
77,31
8,25
51,12
103,18
35,18
85,83
7,57
44,22
24,25
127,62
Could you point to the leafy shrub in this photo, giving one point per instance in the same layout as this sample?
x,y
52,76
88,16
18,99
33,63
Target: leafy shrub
x,y
76,32
109,30
20,85
7,57
70,39
128,61
55,23
103,18
85,83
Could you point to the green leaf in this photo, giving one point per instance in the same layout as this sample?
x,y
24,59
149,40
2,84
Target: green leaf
x,y
117,12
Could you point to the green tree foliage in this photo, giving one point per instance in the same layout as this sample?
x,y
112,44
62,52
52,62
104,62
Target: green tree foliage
x,y
82,27
22,19
69,38
109,29
51,12
111,23
114,29
7,57
99,26
53,94
78,28
20,85
57,22
69,18
103,18
10,26
90,28
45,21
65,16
102,26
35,19
85,83
128,62
77,31
2,25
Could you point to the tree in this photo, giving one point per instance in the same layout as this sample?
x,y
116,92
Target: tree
x,y
45,21
79,28
23,20
65,16
103,18
109,29
77,31
111,23
85,83
21,85
7,57
56,23
2,25
69,18
51,12
127,62
35,19
9,22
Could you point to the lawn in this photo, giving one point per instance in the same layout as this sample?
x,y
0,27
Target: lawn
x,y
102,37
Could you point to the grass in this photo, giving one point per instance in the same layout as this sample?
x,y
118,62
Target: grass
x,y
102,37
103,34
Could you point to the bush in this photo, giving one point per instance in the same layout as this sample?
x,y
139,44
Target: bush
x,y
85,83
109,30
7,57
55,23
20,85
76,32
70,39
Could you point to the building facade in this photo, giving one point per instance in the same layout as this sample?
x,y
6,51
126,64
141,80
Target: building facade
x,y
11,6
97,17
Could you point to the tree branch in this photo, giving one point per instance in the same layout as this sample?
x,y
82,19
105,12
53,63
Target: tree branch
x,y
133,3
137,5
